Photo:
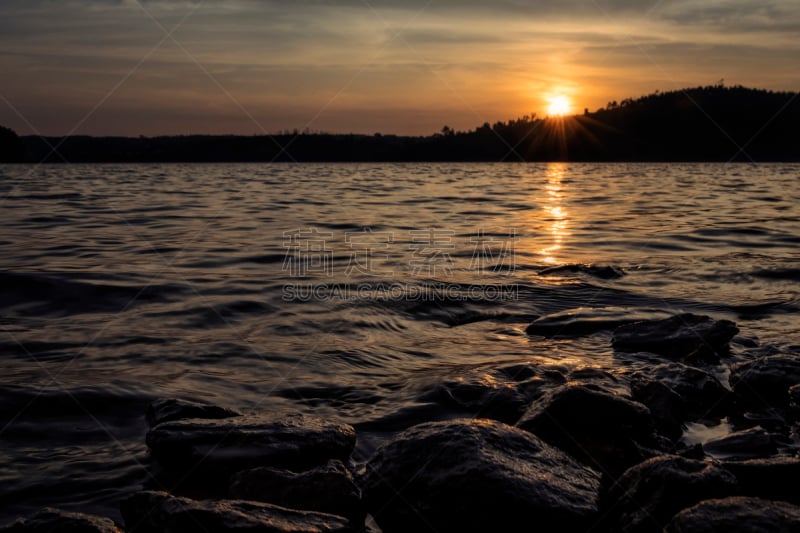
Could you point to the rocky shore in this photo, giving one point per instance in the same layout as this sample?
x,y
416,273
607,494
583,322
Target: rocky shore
x,y
544,449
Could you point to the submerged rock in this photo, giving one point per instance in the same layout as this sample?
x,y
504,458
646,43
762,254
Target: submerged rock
x,y
750,443
169,409
649,494
598,271
228,445
475,476
603,430
326,489
774,478
587,320
677,337
159,512
737,515
766,382
56,521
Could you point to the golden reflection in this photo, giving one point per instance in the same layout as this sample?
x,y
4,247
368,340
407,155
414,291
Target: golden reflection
x,y
556,216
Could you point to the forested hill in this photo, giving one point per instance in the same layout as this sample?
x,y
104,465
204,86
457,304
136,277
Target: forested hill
x,y
714,123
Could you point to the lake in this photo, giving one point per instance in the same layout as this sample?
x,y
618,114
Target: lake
x,y
347,291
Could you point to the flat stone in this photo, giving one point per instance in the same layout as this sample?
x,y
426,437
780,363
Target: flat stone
x,y
327,489
677,337
477,476
51,520
603,430
750,443
765,382
159,512
169,409
229,445
737,515
649,494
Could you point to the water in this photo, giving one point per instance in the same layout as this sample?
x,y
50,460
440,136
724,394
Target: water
x,y
299,288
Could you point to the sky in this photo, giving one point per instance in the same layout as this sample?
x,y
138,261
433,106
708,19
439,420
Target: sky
x,y
163,67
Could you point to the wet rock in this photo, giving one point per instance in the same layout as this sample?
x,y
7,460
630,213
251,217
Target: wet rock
x,y
675,392
603,430
737,515
225,446
476,476
327,489
677,337
481,396
159,512
598,271
766,382
750,443
587,320
774,478
169,409
56,521
794,401
649,494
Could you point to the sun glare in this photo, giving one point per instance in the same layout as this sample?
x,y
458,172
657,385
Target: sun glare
x,y
559,106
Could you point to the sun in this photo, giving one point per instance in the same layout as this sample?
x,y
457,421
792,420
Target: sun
x,y
559,106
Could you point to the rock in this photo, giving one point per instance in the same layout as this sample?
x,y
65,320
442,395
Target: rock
x,y
675,392
476,476
766,382
598,271
225,446
603,430
587,320
794,401
666,406
677,337
774,478
56,521
649,494
481,396
169,409
737,515
159,512
750,443
326,489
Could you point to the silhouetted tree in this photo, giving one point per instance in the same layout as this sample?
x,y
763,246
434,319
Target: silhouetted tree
x,y
11,148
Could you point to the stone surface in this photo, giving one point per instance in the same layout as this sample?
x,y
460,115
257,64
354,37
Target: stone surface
x,y
587,320
327,489
603,430
667,407
774,478
750,443
477,476
737,515
481,396
677,337
159,512
766,381
169,409
649,494
56,521
225,446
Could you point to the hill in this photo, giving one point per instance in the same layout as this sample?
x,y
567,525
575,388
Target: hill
x,y
713,123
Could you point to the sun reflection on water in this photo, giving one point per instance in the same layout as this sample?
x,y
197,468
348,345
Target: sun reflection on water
x,y
556,216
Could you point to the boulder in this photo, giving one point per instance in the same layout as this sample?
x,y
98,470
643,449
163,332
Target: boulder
x,y
588,320
327,489
603,430
169,409
794,401
159,512
649,494
56,521
677,337
666,406
750,443
737,515
765,382
224,446
774,478
476,476
481,396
